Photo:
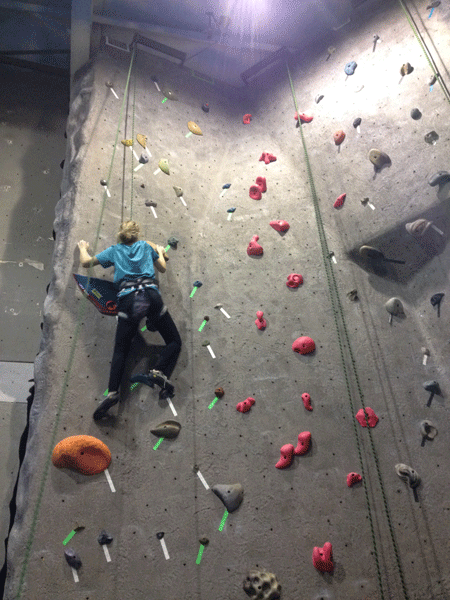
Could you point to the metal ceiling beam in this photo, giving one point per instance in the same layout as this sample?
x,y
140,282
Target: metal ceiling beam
x,y
80,35
36,8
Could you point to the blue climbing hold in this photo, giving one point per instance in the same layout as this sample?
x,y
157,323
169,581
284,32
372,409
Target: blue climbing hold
x,y
226,186
350,67
198,284
231,210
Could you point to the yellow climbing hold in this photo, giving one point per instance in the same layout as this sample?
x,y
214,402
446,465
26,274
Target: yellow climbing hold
x,y
164,166
127,142
194,128
142,139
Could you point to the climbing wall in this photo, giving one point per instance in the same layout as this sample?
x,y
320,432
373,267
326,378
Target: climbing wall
x,y
156,501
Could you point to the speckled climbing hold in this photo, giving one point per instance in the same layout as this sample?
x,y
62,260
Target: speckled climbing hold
x,y
304,345
304,118
280,225
339,137
378,158
406,69
168,429
415,114
357,122
294,280
323,558
431,137
143,159
261,585
306,399
260,322
372,418
178,190
267,157
194,128
164,166
246,119
72,558
127,142
142,139
286,456
350,67
226,186
245,405
231,495
394,307
254,249
339,202
418,228
83,453
205,107
169,94
219,392
353,478
318,98
428,430
304,441
104,538
432,80
439,178
261,182
255,192
408,474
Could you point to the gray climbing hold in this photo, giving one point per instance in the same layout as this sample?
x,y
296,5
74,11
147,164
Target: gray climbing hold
x,y
415,114
104,538
408,474
261,585
350,67
431,137
173,241
378,158
439,178
357,122
428,430
394,307
169,429
143,159
169,94
72,558
151,203
178,191
231,495
206,343
318,98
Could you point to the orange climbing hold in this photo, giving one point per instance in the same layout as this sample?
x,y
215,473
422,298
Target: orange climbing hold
x,y
83,453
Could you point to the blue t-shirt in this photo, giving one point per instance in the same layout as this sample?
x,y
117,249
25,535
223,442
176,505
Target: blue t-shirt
x,y
129,262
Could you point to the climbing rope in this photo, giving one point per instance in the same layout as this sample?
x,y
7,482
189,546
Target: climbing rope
x,y
132,137
344,345
68,371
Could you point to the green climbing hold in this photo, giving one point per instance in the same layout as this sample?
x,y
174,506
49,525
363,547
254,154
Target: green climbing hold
x,y
164,166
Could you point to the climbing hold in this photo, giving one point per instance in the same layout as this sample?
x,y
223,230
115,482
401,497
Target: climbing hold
x,y
433,387
151,203
261,585
219,392
226,186
245,405
357,122
353,478
439,178
104,182
231,495
178,191
104,538
254,249
261,182
406,69
169,429
394,307
434,4
428,430
436,300
318,98
255,192
231,210
194,128
304,118
109,84
350,67
408,474
164,166
418,228
415,114
173,241
432,80
353,295
204,541
339,201
372,418
246,119
72,558
83,453
160,535
142,139
142,185
339,137
378,158
154,78
198,284
280,225
304,441
260,322
286,456
169,94
304,345
431,137
306,399
127,142
267,157
143,159
205,107
376,255
294,280
322,558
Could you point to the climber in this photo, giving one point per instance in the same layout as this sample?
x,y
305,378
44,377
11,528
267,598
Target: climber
x,y
138,297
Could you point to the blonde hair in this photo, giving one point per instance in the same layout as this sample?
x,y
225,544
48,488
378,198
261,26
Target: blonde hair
x,y
128,232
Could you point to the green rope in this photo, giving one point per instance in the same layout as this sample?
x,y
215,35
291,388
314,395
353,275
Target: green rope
x,y
65,385
342,331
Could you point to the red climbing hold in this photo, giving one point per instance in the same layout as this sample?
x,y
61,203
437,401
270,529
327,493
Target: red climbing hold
x,y
267,157
260,322
280,226
255,192
261,182
339,201
339,137
353,478
246,119
306,398
304,118
293,281
254,249
304,345
245,405
287,453
322,558
372,418
304,440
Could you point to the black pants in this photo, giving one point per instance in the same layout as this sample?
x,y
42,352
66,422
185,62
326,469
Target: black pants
x,y
137,305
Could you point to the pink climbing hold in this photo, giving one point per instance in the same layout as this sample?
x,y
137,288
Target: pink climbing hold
x,y
304,345
246,119
353,478
304,440
294,280
245,405
280,225
254,249
260,322
287,453
303,117
267,157
322,558
306,399
255,192
261,182
339,201
372,418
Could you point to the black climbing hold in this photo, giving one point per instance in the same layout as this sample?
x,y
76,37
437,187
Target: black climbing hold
x,y
103,182
198,284
160,535
432,80
440,178
61,164
431,137
104,538
415,114
353,295
226,186
196,468
357,122
151,203
173,241
205,107
142,185
169,429
432,387
436,300
204,541
72,558
143,159
231,495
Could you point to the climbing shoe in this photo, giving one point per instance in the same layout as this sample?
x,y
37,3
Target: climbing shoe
x,y
111,399
152,378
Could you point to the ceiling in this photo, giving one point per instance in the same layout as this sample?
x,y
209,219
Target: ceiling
x,y
220,39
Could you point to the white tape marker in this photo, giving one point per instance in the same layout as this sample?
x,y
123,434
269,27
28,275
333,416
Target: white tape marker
x,y
140,165
425,358
134,152
358,129
436,229
106,551
188,134
182,200
225,313
158,170
75,575
333,258
371,206
164,547
154,212
211,351
229,216
108,477
157,86
108,192
223,193
172,407
202,479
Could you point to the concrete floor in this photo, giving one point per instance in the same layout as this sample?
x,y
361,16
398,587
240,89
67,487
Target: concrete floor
x,y
380,534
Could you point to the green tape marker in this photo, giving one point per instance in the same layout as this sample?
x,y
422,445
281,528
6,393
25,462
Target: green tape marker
x,y
193,292
144,328
213,402
224,518
167,248
200,553
205,320
133,385
188,134
165,100
69,537
158,443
